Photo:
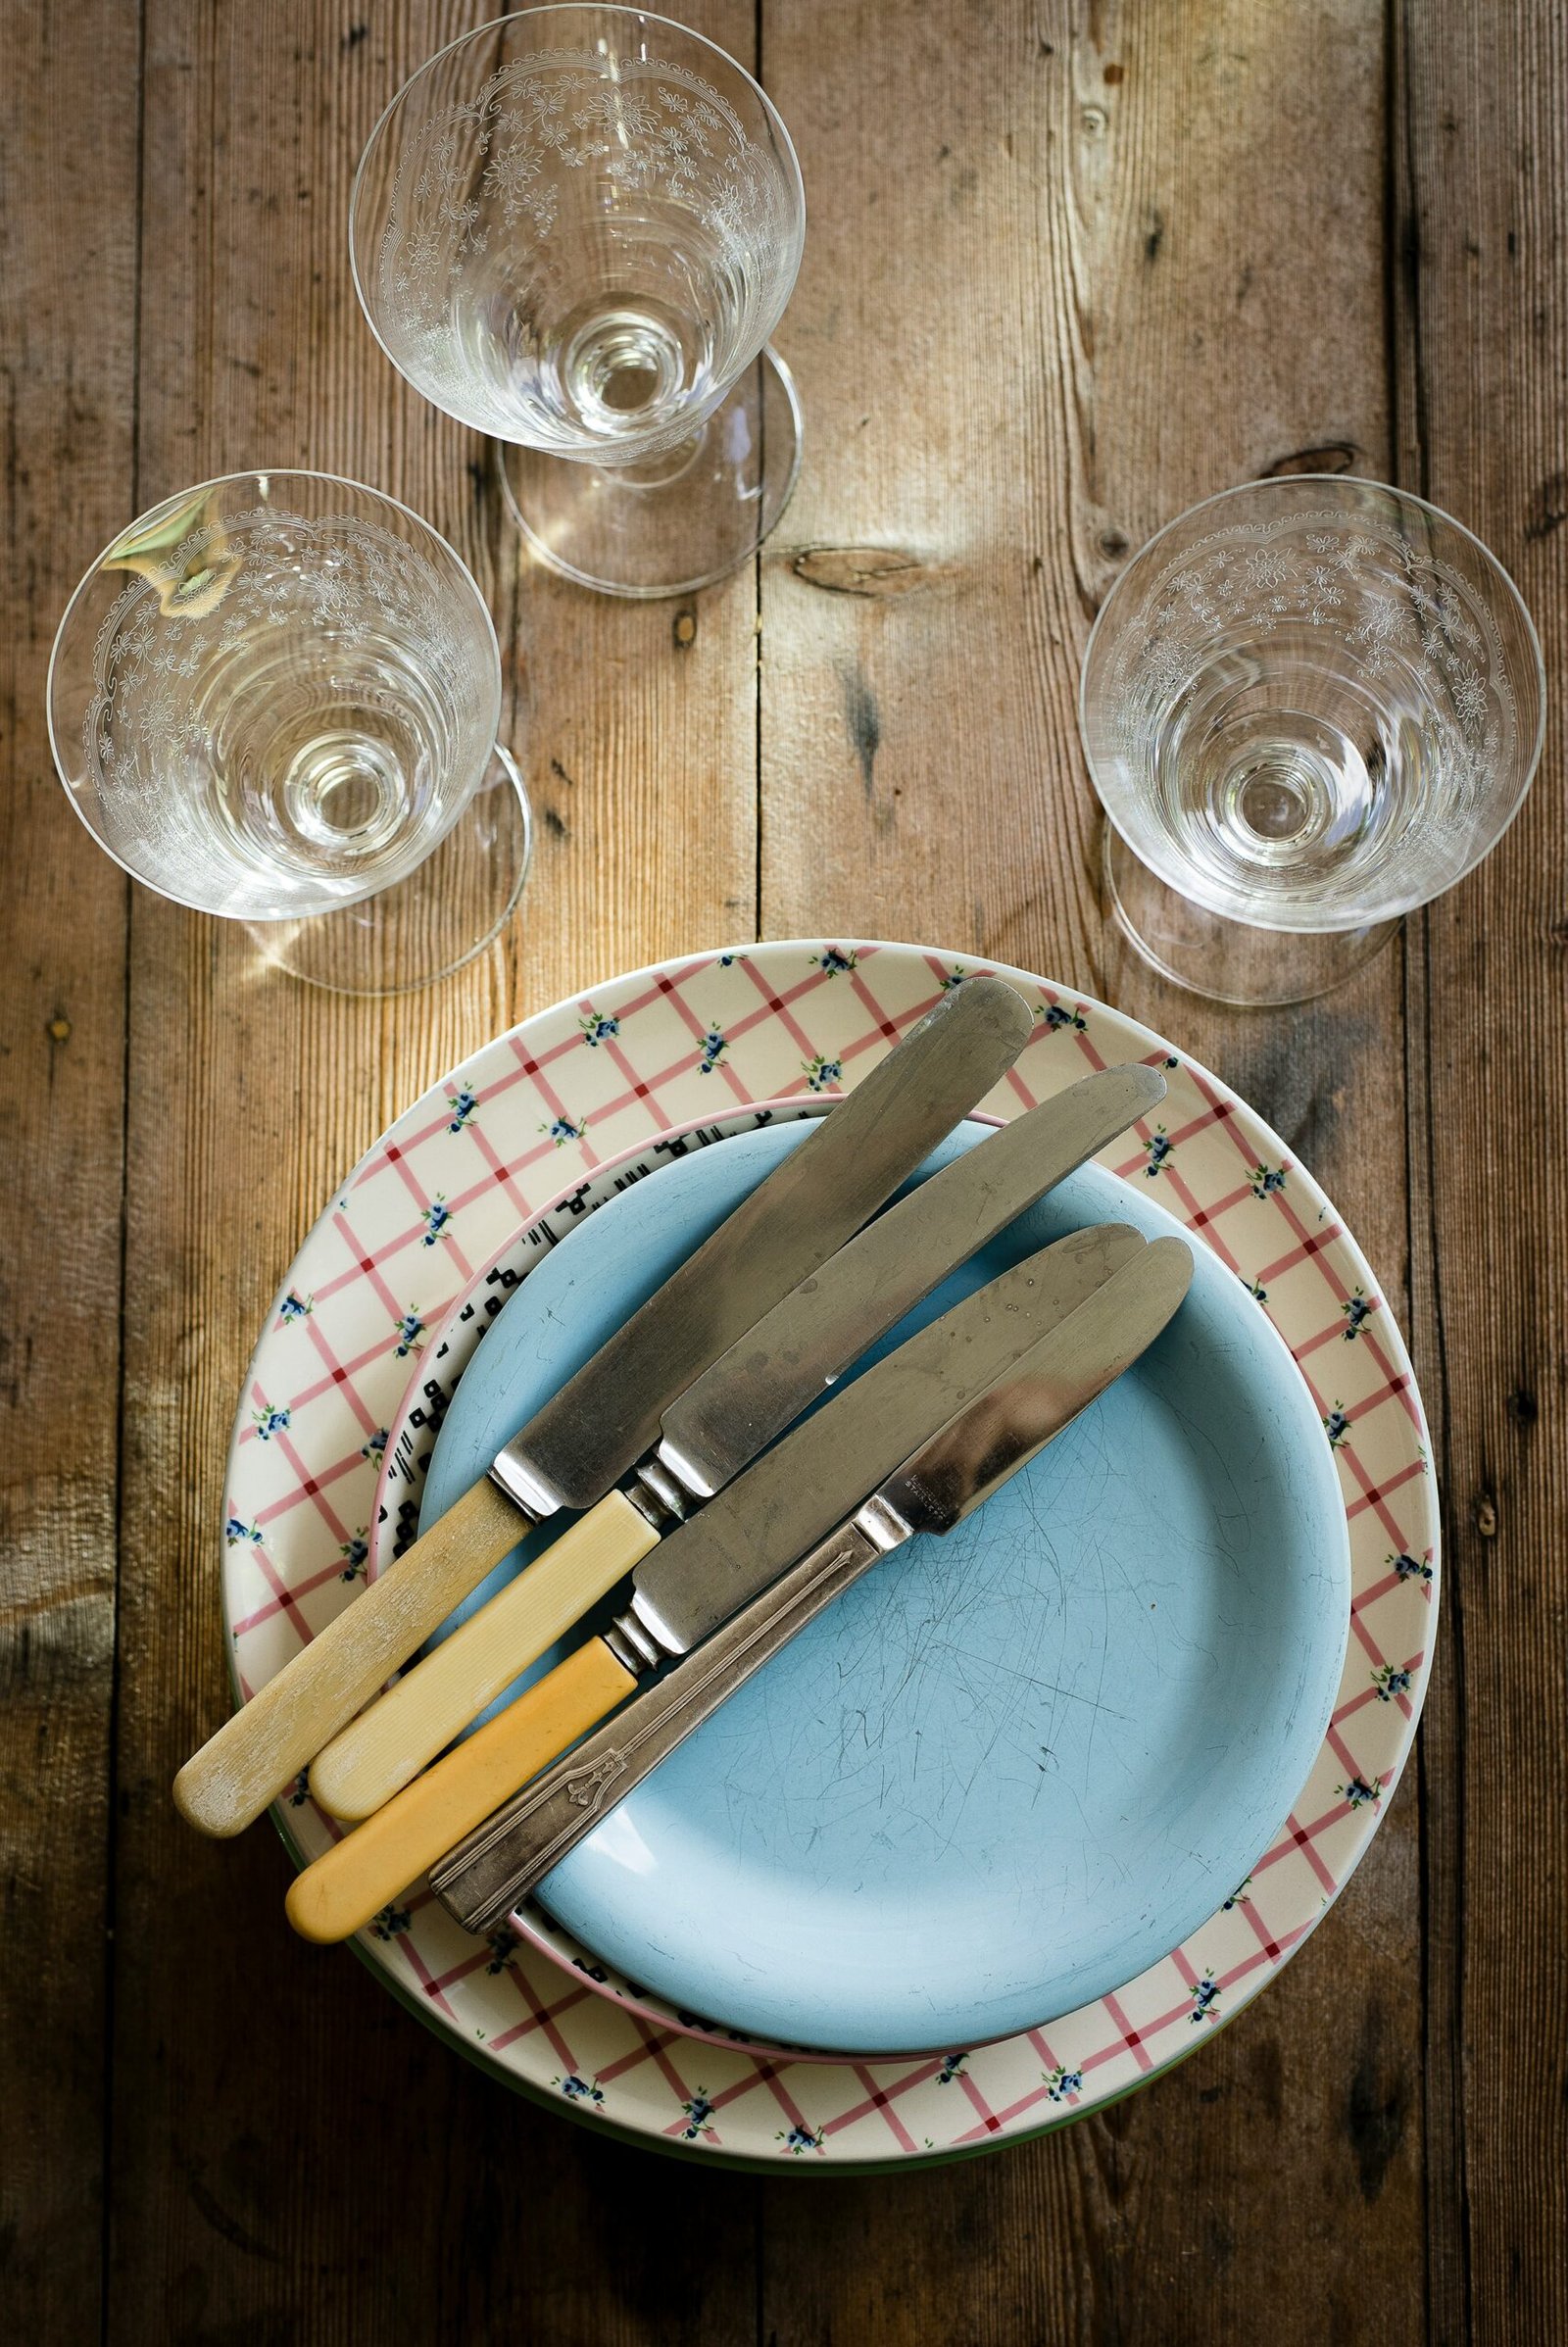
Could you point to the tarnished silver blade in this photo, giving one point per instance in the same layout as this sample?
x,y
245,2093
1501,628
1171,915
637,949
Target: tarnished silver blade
x,y
1000,1431
486,1877
820,1472
605,1417
780,1367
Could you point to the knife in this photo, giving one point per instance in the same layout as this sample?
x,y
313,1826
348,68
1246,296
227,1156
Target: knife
x,y
484,1878
576,1449
731,1413
712,1563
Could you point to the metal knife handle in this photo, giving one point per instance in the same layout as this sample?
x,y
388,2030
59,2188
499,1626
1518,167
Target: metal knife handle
x,y
486,1875
343,1889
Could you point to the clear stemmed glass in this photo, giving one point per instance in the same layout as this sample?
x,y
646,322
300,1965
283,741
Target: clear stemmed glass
x,y
275,697
1309,705
575,229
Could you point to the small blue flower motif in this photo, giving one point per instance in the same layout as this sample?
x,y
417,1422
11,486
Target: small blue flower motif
x,y
269,1423
579,2090
1062,2083
699,2111
1357,1312
956,977
236,1530
727,961
435,1218
1336,1426
1205,2000
374,1444
463,1105
356,1554
296,1307
951,2068
1358,1793
502,1947
821,1073
1267,1180
797,2139
1238,1897
408,1331
714,1048
1411,1568
300,1791
1158,1148
1056,1015
1390,1683
597,1030
1171,1062
834,962
390,1921
561,1130
1258,1293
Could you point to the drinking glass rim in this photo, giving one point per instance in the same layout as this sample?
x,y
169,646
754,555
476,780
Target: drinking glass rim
x,y
558,8
1349,480
229,481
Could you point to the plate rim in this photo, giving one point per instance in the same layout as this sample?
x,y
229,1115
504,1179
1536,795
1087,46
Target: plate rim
x,y
1226,1319
669,972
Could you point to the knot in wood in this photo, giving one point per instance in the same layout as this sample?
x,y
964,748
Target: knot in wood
x,y
873,570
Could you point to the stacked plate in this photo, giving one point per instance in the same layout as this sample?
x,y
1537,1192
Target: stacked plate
x,y
1028,1808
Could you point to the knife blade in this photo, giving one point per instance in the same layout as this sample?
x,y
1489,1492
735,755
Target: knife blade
x,y
596,1427
502,1861
707,1566
738,1405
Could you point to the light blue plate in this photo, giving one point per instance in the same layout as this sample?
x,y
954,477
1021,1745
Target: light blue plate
x,y
1009,1769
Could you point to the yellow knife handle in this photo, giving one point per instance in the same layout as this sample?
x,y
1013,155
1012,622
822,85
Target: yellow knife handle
x,y
389,1743
258,1753
343,1889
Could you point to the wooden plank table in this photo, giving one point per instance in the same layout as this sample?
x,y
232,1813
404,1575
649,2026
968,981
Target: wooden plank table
x,y
1071,265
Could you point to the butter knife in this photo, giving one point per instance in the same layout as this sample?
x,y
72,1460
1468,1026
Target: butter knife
x,y
502,1860
731,1413
714,1562
576,1449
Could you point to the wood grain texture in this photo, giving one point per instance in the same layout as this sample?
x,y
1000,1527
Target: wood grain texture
x,y
1482,217
1069,268
1140,254
255,350
67,348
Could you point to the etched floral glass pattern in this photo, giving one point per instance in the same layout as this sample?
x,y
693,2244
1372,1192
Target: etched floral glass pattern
x,y
273,695
576,228
1313,703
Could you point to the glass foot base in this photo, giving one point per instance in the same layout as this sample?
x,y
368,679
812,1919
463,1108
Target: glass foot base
x,y
682,520
447,911
1228,962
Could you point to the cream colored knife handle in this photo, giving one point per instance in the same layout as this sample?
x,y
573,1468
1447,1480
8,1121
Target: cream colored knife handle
x,y
378,1753
487,1876
256,1755
341,1891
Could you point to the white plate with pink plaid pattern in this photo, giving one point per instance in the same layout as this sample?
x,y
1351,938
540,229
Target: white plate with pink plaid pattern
x,y
518,1127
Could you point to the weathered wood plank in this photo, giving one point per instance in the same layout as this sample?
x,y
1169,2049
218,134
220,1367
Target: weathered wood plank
x,y
273,2109
68,324
1483,360
1080,269
1066,273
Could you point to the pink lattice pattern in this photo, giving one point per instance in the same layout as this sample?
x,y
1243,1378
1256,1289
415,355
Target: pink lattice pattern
x,y
522,1129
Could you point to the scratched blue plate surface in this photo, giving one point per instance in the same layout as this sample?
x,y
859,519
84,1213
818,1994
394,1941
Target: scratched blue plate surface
x,y
1009,1769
